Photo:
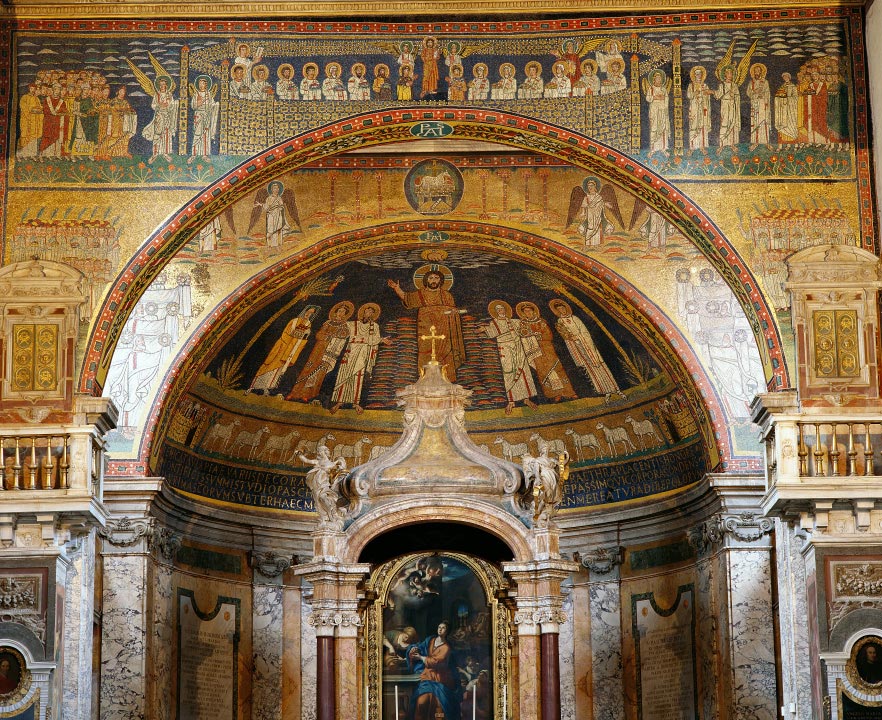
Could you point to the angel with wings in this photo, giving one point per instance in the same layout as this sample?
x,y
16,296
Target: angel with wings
x,y
163,127
404,51
729,94
657,90
455,52
588,205
205,111
571,53
274,202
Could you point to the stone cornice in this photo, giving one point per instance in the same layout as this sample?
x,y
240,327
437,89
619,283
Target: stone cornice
x,y
124,9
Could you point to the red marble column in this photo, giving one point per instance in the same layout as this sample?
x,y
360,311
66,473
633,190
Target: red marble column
x,y
326,672
549,671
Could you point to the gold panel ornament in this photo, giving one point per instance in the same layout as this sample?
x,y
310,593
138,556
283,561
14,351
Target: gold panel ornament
x,y
836,343
34,357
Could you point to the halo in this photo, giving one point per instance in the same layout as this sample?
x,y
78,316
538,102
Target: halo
x,y
358,64
167,78
314,308
479,65
422,270
350,308
563,305
406,44
588,62
506,65
238,65
377,69
333,64
452,43
591,179
282,67
310,65
432,38
241,45
609,44
367,305
260,69
494,303
269,187
694,70
616,62
535,64
199,77
657,72
762,68
523,305
558,64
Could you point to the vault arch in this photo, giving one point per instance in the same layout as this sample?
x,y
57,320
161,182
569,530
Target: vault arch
x,y
377,129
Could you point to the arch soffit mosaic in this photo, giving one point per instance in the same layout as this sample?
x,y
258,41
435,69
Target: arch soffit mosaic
x,y
377,129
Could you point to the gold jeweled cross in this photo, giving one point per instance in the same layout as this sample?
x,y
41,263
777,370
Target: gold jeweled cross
x,y
433,337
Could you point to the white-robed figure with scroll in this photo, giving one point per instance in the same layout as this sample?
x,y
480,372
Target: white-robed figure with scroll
x,y
516,373
583,350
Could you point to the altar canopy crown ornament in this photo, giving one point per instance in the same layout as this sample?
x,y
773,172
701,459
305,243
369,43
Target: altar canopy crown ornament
x,y
435,457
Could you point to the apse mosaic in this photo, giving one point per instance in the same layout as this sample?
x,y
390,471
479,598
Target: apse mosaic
x,y
709,99
321,364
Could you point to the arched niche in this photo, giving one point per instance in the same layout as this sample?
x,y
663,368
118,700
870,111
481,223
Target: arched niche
x,y
377,129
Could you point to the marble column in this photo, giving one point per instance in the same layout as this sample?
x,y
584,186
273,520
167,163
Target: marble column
x,y
309,660
124,620
527,679
796,674
79,609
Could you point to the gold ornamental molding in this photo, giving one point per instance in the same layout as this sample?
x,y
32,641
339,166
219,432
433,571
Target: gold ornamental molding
x,y
397,9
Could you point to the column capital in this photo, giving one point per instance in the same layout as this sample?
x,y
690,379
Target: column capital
x,y
731,530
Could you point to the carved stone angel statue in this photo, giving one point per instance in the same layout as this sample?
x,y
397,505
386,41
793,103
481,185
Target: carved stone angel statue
x,y
323,482
544,477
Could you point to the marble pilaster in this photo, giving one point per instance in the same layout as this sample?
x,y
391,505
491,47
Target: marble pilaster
x,y
751,634
79,607
160,673
123,637
267,649
707,648
308,666
567,653
606,690
792,612
292,650
581,623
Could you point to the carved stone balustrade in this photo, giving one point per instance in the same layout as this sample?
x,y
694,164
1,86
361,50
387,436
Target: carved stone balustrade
x,y
55,469
819,459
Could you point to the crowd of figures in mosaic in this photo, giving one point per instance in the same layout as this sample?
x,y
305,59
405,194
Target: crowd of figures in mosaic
x,y
700,96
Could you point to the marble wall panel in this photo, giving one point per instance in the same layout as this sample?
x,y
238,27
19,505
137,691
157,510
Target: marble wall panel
x,y
123,638
607,690
267,649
